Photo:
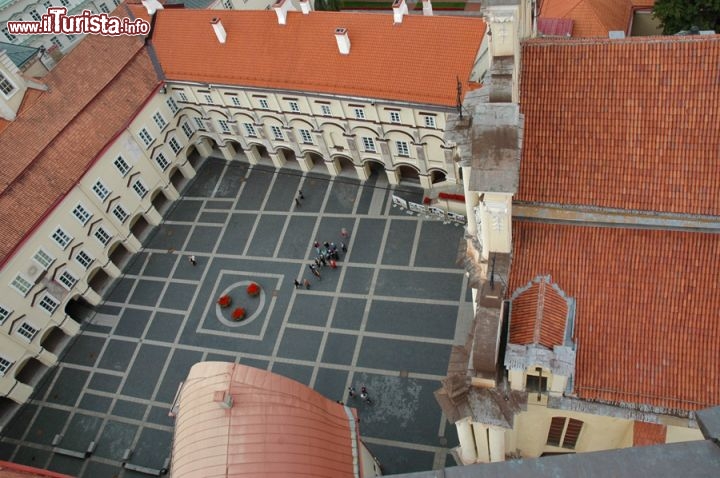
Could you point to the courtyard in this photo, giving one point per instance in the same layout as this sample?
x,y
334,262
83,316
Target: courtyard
x,y
386,319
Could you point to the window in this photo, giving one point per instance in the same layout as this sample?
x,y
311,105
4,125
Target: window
x,y
277,132
35,15
7,34
235,101
84,259
306,136
182,96
208,99
21,284
103,236
187,129
172,106
43,258
294,107
175,145
100,190
250,130
121,165
159,120
68,280
56,42
65,3
4,314
6,86
326,110
120,213
394,116
61,238
224,126
402,148
145,137
264,104
429,121
368,144
47,5
359,113
162,161
4,366
104,8
81,214
564,432
199,123
28,331
70,37
139,188
227,4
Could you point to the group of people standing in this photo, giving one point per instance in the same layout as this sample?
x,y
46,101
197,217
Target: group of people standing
x,y
328,253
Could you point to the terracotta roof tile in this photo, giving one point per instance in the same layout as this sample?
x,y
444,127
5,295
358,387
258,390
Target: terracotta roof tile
x,y
646,317
93,93
539,316
628,124
646,434
417,60
592,18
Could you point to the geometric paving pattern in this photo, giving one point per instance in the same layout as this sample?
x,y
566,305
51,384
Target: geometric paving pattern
x,y
386,318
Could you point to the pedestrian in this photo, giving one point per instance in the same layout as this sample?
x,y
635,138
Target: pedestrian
x,y
323,261
343,247
333,264
192,260
301,195
317,247
317,261
306,283
297,283
351,392
333,247
297,202
334,256
317,273
344,233
365,396
326,244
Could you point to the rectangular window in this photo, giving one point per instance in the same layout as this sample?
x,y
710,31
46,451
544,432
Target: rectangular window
x,y
4,366
81,214
103,236
139,188
101,190
28,331
235,101
67,279
121,165
6,87
104,8
70,37
172,106
199,123
359,113
4,314
182,96
35,15
120,213
277,132
162,161
56,42
187,129
21,284
224,126
429,121
64,3
47,5
7,34
227,4
159,120
61,238
368,144
264,104
394,117
250,130
208,99
43,258
306,136
145,137
175,145
294,107
84,259
402,148
326,110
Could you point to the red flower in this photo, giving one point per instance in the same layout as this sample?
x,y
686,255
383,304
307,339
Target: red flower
x,y
253,289
238,314
224,301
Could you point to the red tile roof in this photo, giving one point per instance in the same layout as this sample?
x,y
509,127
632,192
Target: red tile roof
x,y
647,327
15,470
417,60
646,434
538,316
630,124
592,18
276,427
93,92
555,27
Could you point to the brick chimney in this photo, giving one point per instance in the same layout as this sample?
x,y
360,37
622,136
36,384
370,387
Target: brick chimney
x,y
343,40
152,6
219,29
305,6
281,8
399,9
427,8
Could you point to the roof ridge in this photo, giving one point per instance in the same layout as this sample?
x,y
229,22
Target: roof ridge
x,y
575,41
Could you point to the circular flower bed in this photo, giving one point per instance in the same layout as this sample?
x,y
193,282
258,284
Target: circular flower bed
x,y
253,289
238,313
224,301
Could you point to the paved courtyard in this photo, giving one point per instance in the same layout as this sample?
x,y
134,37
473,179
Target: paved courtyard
x,y
386,318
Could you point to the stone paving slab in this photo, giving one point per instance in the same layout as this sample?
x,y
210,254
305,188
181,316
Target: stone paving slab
x,y
300,373
133,322
117,355
399,246
423,320
142,377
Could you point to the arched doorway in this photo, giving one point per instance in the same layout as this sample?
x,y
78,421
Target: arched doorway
x,y
290,158
194,157
79,309
178,180
160,202
408,174
316,161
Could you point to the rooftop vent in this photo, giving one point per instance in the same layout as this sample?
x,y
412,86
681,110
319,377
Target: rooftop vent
x,y
223,398
152,6
305,6
399,9
281,8
219,29
427,8
343,40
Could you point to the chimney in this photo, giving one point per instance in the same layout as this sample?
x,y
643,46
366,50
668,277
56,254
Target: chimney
x,y
281,8
219,29
427,8
343,40
223,398
152,6
305,6
399,9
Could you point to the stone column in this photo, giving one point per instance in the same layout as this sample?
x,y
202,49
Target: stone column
x,y
203,147
132,243
481,442
111,269
278,158
46,358
468,451
252,154
425,181
20,392
363,172
152,216
187,170
170,192
471,202
333,167
228,151
91,296
496,437
393,177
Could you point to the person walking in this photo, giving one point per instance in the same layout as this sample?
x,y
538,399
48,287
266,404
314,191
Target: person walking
x,y
365,396
306,283
343,247
297,202
192,260
344,233
297,283
301,195
351,392
317,273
